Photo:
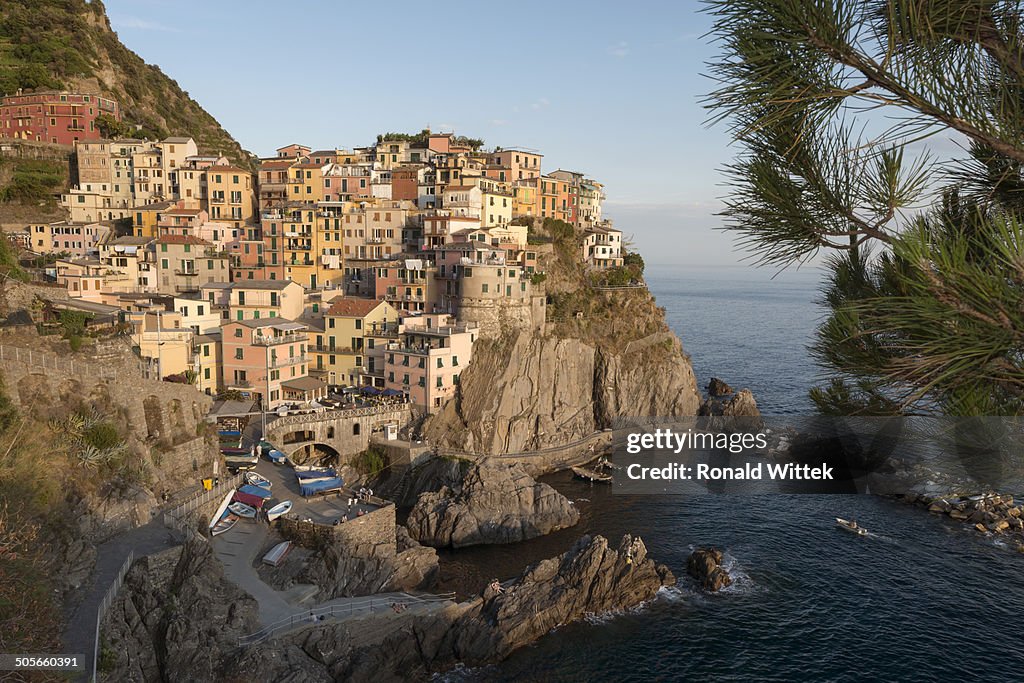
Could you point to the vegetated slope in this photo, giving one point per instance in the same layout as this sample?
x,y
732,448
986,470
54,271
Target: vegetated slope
x,y
69,44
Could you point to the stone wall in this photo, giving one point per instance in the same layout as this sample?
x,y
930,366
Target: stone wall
x,y
375,528
497,315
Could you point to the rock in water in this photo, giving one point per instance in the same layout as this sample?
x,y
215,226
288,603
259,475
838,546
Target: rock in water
x,y
717,387
591,578
495,503
740,404
705,565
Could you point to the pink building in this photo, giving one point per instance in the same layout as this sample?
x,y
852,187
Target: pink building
x,y
268,357
428,359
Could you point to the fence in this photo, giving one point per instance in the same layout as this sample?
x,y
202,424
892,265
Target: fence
x,y
180,517
316,615
105,605
328,414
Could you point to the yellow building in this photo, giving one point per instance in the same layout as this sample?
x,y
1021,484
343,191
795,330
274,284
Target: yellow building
x,y
146,217
524,199
301,244
231,195
349,326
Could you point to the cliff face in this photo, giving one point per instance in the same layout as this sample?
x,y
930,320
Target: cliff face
x,y
530,391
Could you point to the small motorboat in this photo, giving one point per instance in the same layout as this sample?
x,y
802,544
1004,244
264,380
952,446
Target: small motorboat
x,y
257,479
277,554
278,510
851,525
243,510
224,523
277,457
592,475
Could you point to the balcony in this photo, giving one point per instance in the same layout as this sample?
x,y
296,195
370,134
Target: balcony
x,y
217,200
240,384
185,272
285,338
286,362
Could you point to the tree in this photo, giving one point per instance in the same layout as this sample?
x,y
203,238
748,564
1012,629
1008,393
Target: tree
x,y
837,106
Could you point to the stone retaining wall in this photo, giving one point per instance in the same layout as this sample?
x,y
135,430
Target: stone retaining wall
x,y
375,528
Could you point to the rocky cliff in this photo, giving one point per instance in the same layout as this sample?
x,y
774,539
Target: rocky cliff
x,y
591,578
175,618
527,391
494,503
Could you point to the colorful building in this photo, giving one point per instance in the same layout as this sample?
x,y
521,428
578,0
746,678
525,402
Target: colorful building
x,y
63,118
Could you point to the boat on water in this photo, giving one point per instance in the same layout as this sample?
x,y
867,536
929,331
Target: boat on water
x,y
277,554
224,524
851,525
592,476
278,510
608,464
242,510
257,479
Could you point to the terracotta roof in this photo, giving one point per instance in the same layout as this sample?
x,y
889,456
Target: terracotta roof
x,y
261,284
182,239
183,212
226,168
276,164
352,307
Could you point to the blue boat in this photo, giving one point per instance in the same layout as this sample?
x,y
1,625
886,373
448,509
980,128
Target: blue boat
x,y
253,490
314,474
277,457
322,486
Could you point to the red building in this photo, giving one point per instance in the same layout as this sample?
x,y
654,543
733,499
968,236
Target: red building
x,y
59,117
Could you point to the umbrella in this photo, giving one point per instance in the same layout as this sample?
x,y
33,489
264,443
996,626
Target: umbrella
x,y
391,392
369,391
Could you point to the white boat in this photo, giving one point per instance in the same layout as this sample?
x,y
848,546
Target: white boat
x,y
277,554
852,526
278,510
223,524
222,509
257,479
243,510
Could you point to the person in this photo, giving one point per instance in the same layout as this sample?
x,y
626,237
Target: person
x,y
496,586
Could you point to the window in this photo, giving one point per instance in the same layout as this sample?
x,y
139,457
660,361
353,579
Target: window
x,y
238,331
359,324
238,353
455,362
439,383
483,288
440,362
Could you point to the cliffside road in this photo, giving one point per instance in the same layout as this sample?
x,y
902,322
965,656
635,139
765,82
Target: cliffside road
x,y
236,550
80,632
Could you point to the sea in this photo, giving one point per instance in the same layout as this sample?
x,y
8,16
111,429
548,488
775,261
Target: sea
x,y
920,598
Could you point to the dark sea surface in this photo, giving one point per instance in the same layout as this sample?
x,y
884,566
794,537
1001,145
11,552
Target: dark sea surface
x,y
920,598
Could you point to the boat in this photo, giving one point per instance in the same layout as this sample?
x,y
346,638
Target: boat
x,y
277,457
257,479
222,509
852,526
242,510
320,486
608,464
254,490
278,510
277,554
224,524
592,476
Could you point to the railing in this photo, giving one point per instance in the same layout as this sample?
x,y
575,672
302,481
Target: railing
x,y
331,414
105,605
285,362
316,615
288,337
178,517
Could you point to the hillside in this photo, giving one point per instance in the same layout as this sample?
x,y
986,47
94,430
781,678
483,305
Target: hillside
x,y
69,44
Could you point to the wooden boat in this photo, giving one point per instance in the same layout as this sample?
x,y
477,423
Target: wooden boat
x,y
257,479
277,554
224,524
608,464
278,510
592,476
243,510
851,526
222,509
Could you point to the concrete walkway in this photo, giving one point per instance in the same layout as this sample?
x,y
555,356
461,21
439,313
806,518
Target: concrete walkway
x,y
80,616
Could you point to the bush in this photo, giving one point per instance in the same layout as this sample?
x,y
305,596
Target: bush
x,y
75,341
371,462
537,278
102,436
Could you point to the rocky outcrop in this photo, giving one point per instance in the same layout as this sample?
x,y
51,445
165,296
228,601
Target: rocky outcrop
x,y
990,513
705,566
495,502
723,402
343,571
176,618
717,387
592,577
527,392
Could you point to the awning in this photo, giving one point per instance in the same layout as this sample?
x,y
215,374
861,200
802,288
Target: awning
x,y
391,392
369,391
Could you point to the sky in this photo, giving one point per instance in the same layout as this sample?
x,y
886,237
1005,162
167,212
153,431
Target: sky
x,y
611,89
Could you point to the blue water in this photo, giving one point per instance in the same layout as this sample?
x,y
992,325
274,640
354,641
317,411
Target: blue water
x,y
921,598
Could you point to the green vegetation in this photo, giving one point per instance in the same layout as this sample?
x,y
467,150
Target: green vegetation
x,y
9,267
33,181
420,139
925,309
370,462
62,43
537,278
